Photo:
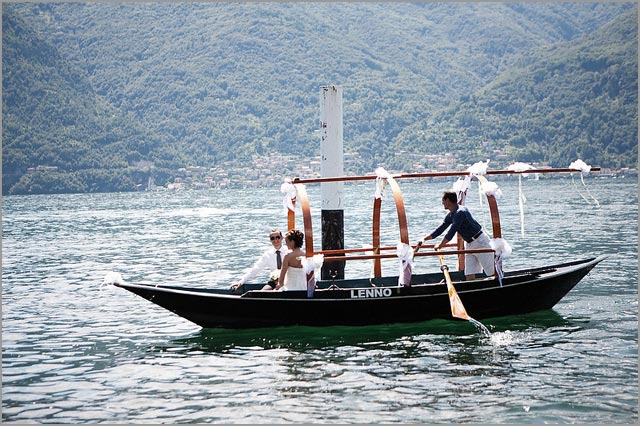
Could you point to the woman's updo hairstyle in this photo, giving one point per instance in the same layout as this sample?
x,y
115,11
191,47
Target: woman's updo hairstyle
x,y
296,236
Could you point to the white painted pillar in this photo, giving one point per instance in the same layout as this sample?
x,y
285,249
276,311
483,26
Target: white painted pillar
x,y
331,165
331,151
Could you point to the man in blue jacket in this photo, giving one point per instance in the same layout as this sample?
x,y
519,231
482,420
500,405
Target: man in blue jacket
x,y
459,220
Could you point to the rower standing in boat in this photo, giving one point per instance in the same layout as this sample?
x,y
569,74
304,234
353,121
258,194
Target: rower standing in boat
x,y
270,260
460,220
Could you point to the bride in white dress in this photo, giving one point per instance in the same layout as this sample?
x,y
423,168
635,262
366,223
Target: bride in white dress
x,y
292,275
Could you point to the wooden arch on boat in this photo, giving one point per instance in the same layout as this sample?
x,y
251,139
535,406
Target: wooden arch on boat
x,y
493,209
291,216
301,194
402,223
376,256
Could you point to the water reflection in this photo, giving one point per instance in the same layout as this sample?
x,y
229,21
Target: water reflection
x,y
384,337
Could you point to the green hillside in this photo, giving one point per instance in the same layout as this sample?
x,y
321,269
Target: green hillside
x,y
52,117
112,93
564,101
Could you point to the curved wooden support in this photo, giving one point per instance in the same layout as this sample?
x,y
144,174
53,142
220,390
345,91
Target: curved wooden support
x,y
405,277
402,217
377,267
306,215
402,222
291,216
493,208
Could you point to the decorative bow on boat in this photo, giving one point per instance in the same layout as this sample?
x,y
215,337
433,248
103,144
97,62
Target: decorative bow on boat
x,y
405,254
585,169
502,249
290,193
310,265
491,188
381,180
461,186
479,168
580,165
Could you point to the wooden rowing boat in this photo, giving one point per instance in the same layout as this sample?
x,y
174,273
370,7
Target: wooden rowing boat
x,y
379,299
369,301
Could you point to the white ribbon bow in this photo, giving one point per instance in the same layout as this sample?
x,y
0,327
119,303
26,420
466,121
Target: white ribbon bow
x,y
479,168
461,185
520,167
309,265
289,189
581,166
405,254
381,180
502,249
491,188
585,169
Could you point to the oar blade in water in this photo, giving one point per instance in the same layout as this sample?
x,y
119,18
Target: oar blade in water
x,y
457,308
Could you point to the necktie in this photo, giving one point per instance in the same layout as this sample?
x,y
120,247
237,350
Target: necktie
x,y
278,259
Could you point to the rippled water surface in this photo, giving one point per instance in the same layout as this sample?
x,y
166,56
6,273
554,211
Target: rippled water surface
x,y
77,351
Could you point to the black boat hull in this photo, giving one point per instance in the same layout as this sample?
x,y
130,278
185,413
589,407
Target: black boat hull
x,y
358,302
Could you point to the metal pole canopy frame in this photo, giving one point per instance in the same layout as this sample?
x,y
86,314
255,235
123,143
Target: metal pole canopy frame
x,y
303,198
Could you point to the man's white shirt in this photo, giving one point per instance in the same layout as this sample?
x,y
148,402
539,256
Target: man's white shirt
x,y
267,262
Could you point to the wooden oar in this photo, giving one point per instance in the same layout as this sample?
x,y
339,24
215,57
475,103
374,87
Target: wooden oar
x,y
457,308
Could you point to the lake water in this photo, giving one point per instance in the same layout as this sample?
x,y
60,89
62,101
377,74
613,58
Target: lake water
x,y
77,351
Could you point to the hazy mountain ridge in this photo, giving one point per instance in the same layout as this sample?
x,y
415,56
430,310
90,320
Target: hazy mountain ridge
x,y
194,83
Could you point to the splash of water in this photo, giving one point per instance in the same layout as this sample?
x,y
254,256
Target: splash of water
x,y
503,338
484,330
111,278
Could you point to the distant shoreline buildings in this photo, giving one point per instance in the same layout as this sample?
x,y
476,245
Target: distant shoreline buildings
x,y
265,171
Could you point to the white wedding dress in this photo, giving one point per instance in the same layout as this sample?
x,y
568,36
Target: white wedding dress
x,y
295,279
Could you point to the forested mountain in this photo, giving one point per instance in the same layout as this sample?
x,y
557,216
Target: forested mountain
x,y
111,93
563,101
